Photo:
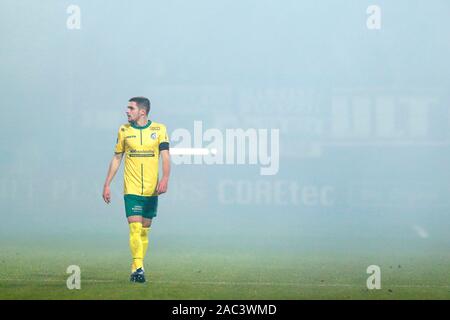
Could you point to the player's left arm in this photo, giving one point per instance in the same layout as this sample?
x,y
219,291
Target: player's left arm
x,y
165,156
163,183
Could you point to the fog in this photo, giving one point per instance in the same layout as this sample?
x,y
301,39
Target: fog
x,y
360,96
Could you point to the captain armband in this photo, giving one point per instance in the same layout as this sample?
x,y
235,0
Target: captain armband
x,y
163,146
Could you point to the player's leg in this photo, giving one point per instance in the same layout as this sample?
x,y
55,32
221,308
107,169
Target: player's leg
x,y
148,213
133,208
136,245
146,224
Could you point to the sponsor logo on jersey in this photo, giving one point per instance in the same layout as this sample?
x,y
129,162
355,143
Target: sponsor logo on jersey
x,y
153,135
141,153
154,128
130,137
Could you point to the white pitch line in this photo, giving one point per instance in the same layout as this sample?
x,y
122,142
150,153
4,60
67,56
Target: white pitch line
x,y
54,280
285,284
192,151
385,143
293,284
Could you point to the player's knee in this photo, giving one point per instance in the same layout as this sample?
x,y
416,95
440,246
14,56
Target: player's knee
x,y
146,223
132,219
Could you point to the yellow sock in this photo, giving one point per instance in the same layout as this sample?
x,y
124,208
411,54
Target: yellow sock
x,y
136,245
144,239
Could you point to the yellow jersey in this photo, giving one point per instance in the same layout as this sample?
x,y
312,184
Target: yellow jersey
x,y
141,146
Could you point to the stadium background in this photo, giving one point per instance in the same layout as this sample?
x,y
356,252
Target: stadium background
x,y
362,108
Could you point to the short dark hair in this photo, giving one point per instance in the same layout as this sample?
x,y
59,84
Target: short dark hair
x,y
142,103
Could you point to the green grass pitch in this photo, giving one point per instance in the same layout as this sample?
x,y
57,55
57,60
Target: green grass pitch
x,y
188,268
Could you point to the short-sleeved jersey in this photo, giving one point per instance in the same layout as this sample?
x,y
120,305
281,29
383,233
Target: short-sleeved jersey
x,y
141,146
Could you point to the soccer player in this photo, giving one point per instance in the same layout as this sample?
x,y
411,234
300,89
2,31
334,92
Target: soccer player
x,y
142,142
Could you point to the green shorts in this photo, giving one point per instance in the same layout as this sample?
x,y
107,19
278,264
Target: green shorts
x,y
145,206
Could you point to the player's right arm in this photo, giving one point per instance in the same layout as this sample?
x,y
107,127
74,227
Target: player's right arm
x,y
114,165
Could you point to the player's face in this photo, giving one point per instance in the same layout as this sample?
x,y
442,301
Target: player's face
x,y
133,112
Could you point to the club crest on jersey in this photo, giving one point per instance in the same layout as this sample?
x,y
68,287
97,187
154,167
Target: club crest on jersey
x,y
153,135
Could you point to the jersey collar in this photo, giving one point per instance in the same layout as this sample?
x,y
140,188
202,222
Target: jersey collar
x,y
134,125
